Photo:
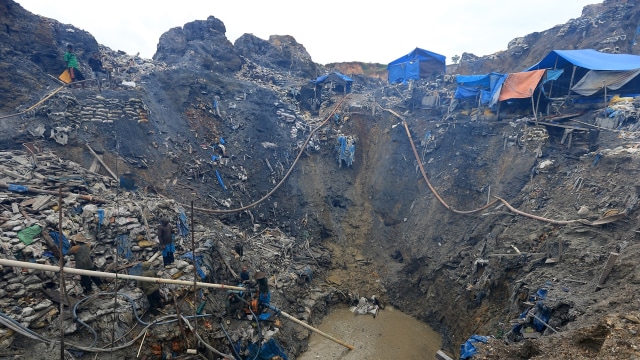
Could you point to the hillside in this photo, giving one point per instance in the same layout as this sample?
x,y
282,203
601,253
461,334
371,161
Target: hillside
x,y
462,221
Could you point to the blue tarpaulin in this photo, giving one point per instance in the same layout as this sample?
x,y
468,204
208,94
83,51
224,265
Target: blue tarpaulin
x,y
335,77
417,64
467,349
183,226
588,72
346,149
124,246
588,59
197,263
270,349
17,188
487,87
56,240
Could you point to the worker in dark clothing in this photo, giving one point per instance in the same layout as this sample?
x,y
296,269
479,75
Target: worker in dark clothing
x,y
264,295
96,67
234,305
150,289
82,254
244,274
165,236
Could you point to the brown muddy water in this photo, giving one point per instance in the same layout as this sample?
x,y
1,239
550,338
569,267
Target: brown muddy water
x,y
390,335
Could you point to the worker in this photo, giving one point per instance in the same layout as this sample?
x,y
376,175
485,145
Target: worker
x,y
234,304
165,237
72,65
264,295
82,254
150,289
244,274
96,67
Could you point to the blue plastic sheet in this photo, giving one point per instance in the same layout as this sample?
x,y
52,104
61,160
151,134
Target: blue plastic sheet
x,y
65,242
544,314
197,263
467,349
124,246
100,218
270,349
346,149
183,226
17,188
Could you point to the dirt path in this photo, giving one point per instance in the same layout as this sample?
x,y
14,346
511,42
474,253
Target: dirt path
x,y
392,334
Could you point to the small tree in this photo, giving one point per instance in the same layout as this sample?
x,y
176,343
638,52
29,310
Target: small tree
x,y
455,58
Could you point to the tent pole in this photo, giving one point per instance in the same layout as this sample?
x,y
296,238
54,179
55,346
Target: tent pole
x,y
604,85
538,101
533,107
555,67
573,73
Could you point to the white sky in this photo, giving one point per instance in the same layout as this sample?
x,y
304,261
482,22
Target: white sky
x,y
330,30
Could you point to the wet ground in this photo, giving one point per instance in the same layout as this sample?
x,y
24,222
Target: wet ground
x,y
391,334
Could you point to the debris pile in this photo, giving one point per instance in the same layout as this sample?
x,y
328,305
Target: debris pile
x,y
121,229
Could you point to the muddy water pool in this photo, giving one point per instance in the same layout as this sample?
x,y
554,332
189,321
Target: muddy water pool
x,y
392,334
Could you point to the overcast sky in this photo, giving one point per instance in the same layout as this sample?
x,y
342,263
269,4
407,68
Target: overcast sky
x,y
330,30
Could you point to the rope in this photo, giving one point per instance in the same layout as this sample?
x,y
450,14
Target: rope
x,y
217,211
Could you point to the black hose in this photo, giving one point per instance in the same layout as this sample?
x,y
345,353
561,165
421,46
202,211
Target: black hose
x,y
235,353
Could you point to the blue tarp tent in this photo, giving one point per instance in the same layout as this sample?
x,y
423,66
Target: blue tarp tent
x,y
486,86
418,64
336,78
589,59
587,72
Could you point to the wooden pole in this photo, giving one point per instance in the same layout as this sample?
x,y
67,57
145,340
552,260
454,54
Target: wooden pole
x,y
43,267
573,73
195,274
102,162
62,287
555,67
299,322
533,107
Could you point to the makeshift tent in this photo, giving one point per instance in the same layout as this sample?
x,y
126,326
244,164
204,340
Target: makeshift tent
x,y
336,78
523,90
482,88
587,72
520,85
418,64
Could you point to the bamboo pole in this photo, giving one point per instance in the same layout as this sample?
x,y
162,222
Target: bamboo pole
x,y
43,267
300,322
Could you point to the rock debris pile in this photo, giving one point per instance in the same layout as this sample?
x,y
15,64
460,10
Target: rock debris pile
x,y
120,226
